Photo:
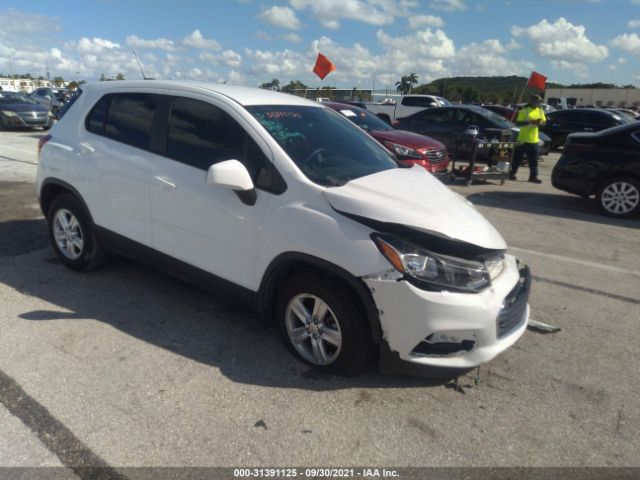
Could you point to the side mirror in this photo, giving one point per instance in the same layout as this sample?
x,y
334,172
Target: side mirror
x,y
234,175
230,173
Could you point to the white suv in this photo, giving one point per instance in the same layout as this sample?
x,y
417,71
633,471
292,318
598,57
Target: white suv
x,y
340,247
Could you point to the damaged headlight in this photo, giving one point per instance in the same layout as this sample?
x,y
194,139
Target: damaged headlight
x,y
433,271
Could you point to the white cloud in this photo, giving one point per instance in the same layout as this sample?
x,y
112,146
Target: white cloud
x,y
283,17
575,68
629,42
228,58
374,12
159,43
197,40
17,23
263,36
421,21
291,37
634,23
487,58
448,5
92,45
561,41
622,61
425,43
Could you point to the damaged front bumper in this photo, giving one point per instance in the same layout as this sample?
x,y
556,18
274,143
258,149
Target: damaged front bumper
x,y
449,330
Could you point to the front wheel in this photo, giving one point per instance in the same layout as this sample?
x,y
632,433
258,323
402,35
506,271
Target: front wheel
x,y
323,324
620,197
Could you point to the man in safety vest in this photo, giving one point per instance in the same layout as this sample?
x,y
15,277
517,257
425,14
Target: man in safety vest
x,y
530,118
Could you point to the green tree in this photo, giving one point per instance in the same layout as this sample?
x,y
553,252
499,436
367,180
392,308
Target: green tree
x,y
412,80
294,85
102,77
58,81
119,76
274,84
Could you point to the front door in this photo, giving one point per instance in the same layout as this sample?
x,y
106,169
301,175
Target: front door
x,y
207,226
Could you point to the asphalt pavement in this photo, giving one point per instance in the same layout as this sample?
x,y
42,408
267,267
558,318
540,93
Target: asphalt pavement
x,y
131,367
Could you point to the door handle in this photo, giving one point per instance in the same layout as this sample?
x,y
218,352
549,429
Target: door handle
x,y
165,182
587,129
85,148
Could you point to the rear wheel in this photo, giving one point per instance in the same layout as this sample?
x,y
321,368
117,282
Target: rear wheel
x,y
620,197
72,236
323,324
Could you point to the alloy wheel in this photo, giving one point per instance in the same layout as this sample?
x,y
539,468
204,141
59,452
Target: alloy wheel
x,y
313,329
68,234
620,197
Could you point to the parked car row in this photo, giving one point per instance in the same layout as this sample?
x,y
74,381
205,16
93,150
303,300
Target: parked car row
x,y
451,124
409,148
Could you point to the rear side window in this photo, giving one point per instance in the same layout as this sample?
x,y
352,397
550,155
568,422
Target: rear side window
x,y
599,119
201,134
130,117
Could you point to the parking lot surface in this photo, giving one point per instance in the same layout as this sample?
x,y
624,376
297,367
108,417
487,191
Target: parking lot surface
x,y
131,367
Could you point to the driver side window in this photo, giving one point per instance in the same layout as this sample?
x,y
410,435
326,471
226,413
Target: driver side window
x,y
201,134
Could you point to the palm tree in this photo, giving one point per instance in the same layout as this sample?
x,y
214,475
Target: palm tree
x,y
412,79
403,85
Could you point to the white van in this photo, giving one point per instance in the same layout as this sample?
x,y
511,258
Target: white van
x,y
342,248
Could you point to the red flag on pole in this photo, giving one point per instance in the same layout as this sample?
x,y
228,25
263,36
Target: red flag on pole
x,y
537,81
323,66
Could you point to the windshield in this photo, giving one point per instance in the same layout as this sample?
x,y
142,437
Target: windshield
x,y
328,149
10,97
365,120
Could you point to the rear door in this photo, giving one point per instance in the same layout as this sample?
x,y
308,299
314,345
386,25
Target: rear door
x,y
438,123
113,160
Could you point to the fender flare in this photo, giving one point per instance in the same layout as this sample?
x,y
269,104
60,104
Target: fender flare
x,y
280,265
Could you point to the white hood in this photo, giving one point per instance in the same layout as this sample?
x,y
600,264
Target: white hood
x,y
415,198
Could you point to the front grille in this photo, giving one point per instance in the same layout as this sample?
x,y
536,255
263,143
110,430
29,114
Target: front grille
x,y
514,306
32,116
436,155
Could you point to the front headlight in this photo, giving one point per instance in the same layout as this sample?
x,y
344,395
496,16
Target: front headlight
x,y
403,151
438,272
8,113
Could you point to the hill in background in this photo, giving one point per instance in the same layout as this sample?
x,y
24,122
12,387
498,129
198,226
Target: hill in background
x,y
498,90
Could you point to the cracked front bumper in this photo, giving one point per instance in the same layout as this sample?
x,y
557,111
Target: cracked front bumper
x,y
452,330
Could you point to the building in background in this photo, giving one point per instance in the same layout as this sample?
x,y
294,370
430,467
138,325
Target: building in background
x,y
25,85
598,97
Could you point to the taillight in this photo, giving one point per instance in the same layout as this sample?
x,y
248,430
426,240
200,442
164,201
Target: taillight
x,y
42,141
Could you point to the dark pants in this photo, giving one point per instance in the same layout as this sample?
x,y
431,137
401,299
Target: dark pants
x,y
531,151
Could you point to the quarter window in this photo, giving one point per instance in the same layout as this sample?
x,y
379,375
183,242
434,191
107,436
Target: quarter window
x,y
98,116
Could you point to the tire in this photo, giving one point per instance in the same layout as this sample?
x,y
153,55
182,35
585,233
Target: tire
x,y
72,235
341,332
619,197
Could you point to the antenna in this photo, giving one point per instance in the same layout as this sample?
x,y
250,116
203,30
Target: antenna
x,y
139,65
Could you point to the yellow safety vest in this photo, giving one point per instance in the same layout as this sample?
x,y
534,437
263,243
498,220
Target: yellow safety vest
x,y
529,133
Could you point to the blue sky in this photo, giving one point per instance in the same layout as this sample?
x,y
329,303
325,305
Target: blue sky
x,y
252,41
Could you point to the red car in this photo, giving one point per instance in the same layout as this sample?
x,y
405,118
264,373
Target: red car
x,y
408,147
